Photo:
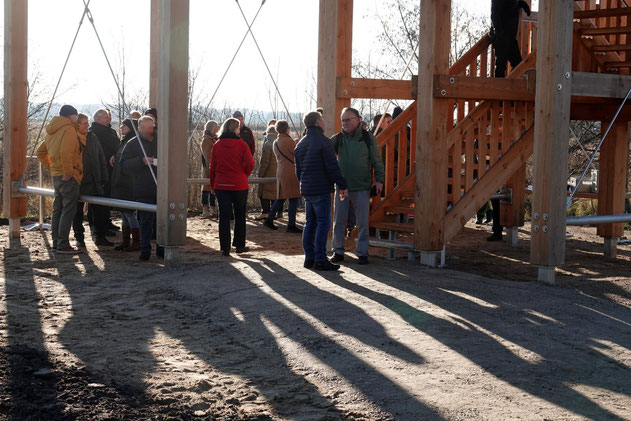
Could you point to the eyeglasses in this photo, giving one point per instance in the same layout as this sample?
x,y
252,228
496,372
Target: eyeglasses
x,y
348,120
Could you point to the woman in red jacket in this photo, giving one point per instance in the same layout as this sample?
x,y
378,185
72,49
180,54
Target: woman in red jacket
x,y
231,164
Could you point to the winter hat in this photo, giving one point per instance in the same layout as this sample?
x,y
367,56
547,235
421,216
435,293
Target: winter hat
x,y
68,110
271,130
237,114
396,112
152,112
127,122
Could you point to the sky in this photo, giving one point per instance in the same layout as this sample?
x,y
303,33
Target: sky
x,y
286,30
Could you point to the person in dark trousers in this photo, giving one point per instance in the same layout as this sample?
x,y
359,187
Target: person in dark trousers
x,y
144,187
245,132
505,24
102,129
231,163
210,138
317,171
122,189
95,178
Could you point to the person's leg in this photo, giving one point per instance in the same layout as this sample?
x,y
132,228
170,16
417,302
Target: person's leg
x,y
100,216
239,202
205,207
323,215
125,231
482,213
293,208
351,220
514,55
134,231
57,208
340,214
77,224
308,234
277,206
146,228
361,204
225,211
501,59
70,195
265,205
497,226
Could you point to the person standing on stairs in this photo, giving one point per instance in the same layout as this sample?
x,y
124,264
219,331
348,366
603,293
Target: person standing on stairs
x,y
358,156
504,27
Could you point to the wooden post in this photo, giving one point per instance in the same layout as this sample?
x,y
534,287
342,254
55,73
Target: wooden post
x,y
327,46
344,54
172,117
15,110
433,115
154,45
612,182
552,120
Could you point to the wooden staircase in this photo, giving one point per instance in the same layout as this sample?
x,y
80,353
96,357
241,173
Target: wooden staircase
x,y
489,141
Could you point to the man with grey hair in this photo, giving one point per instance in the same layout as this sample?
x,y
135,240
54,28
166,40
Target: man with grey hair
x,y
358,156
317,170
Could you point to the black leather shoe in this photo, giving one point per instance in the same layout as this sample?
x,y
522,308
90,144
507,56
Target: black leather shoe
x,y
325,266
80,244
495,237
308,263
269,224
144,255
363,260
294,229
337,258
243,249
225,253
102,241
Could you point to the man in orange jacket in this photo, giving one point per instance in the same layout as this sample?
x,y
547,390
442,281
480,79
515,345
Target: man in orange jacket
x,y
61,153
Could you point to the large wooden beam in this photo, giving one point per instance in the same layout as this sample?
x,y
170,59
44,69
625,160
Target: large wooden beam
x,y
154,46
552,111
344,53
376,88
600,85
327,47
482,88
15,111
172,113
612,176
431,151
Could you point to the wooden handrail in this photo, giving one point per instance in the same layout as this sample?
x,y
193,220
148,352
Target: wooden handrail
x,y
467,58
397,124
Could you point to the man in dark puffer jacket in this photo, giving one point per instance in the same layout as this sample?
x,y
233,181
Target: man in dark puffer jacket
x,y
317,170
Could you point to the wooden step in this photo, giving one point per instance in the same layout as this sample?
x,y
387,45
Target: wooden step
x,y
407,195
617,64
612,47
393,226
616,30
399,209
402,245
602,13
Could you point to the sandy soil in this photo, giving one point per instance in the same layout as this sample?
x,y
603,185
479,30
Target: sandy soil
x,y
104,336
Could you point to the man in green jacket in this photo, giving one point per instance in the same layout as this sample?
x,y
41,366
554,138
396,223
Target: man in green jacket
x,y
358,156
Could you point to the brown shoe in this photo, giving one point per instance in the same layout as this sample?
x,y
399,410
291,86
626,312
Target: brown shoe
x,y
126,236
69,250
135,240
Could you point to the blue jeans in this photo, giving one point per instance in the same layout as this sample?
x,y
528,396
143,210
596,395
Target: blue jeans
x,y
360,201
145,220
278,207
316,230
129,219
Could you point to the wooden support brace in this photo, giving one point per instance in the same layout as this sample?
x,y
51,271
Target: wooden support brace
x,y
344,55
482,88
154,46
327,47
376,88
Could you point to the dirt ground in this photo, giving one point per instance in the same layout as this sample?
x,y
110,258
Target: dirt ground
x,y
104,336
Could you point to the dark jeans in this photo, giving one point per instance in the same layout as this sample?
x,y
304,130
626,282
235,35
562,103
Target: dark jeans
x,y
64,209
278,207
266,205
99,221
145,220
232,201
506,49
316,229
208,198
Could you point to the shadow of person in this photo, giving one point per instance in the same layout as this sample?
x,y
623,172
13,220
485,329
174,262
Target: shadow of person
x,y
560,330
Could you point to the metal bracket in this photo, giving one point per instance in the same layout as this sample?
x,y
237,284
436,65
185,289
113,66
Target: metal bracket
x,y
15,185
507,194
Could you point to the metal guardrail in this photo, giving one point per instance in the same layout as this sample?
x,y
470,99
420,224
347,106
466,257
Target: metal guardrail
x,y
598,219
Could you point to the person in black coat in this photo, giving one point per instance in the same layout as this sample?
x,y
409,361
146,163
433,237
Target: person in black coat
x,y
95,177
505,23
143,185
122,189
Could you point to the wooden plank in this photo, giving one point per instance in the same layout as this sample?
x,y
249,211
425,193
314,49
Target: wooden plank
x,y
408,114
154,52
344,54
600,13
347,87
327,47
512,214
480,193
15,107
552,108
431,185
459,66
173,106
600,85
457,171
468,161
402,154
611,47
481,88
389,185
612,176
606,31
495,133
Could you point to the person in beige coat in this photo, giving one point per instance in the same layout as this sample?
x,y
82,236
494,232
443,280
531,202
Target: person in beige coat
x,y
267,168
288,186
208,199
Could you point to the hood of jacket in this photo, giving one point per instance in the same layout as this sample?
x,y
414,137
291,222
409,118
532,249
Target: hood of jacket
x,y
58,123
